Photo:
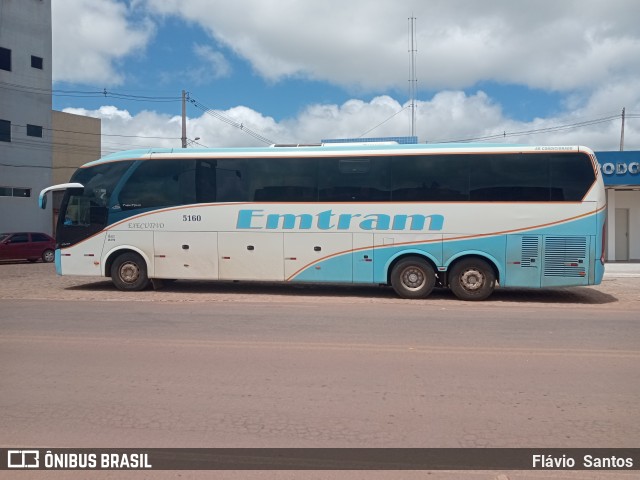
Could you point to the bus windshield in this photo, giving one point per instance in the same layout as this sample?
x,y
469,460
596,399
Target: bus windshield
x,y
85,211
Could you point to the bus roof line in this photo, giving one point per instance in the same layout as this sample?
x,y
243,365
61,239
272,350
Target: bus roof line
x,y
372,148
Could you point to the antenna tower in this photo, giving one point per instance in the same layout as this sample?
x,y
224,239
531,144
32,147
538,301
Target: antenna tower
x,y
413,80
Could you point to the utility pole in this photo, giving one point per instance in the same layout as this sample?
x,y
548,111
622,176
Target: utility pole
x,y
622,133
184,119
413,87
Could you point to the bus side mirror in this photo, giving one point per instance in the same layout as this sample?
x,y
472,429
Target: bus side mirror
x,y
42,199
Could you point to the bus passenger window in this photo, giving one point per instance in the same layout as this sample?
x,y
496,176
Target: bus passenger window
x,y
160,183
231,181
284,180
354,180
430,178
572,175
206,181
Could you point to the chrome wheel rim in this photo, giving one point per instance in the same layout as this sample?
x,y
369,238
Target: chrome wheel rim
x,y
413,278
472,279
129,272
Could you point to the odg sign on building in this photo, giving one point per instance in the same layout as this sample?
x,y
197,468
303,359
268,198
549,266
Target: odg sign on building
x,y
620,168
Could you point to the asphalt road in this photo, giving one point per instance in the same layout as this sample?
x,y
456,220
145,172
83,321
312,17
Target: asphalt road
x,y
261,374
318,373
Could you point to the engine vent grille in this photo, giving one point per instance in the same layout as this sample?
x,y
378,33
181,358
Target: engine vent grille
x,y
565,256
530,247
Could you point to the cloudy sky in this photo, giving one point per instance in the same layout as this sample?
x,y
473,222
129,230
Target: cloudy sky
x,y
539,71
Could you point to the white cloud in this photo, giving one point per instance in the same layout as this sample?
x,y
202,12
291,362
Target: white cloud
x,y
123,131
448,116
544,44
91,36
586,49
217,65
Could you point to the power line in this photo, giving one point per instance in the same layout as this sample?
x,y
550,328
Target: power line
x,y
556,128
74,145
48,145
101,134
220,116
63,143
194,142
104,93
385,121
137,98
45,167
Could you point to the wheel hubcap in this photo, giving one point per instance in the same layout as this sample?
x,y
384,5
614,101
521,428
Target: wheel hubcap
x,y
129,272
413,278
472,279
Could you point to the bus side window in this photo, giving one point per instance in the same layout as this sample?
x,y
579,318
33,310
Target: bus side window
x,y
571,176
284,180
430,178
231,181
160,183
509,178
354,180
206,181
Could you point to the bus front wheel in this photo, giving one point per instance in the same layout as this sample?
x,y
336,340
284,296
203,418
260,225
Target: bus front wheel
x,y
413,277
472,279
129,272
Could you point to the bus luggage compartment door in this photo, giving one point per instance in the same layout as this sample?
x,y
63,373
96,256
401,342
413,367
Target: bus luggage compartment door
x,y
318,257
250,256
187,255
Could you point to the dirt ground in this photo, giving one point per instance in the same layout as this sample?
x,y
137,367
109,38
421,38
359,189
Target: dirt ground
x,y
38,281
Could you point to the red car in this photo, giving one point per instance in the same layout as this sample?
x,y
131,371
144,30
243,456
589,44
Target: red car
x,y
27,246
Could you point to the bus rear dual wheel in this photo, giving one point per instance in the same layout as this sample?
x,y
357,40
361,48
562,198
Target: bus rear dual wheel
x,y
413,277
129,272
469,279
472,279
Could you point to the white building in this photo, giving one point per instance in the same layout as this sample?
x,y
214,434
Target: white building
x,y
621,173
25,113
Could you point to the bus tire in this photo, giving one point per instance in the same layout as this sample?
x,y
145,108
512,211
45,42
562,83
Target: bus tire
x,y
472,279
413,277
129,272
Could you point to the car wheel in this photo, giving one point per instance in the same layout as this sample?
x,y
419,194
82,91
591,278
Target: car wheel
x,y
413,277
129,272
472,279
48,256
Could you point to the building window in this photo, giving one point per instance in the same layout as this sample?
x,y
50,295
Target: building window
x,y
22,192
5,59
5,131
36,62
15,192
34,131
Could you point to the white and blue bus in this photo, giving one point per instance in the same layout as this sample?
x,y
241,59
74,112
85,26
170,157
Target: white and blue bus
x,y
464,217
